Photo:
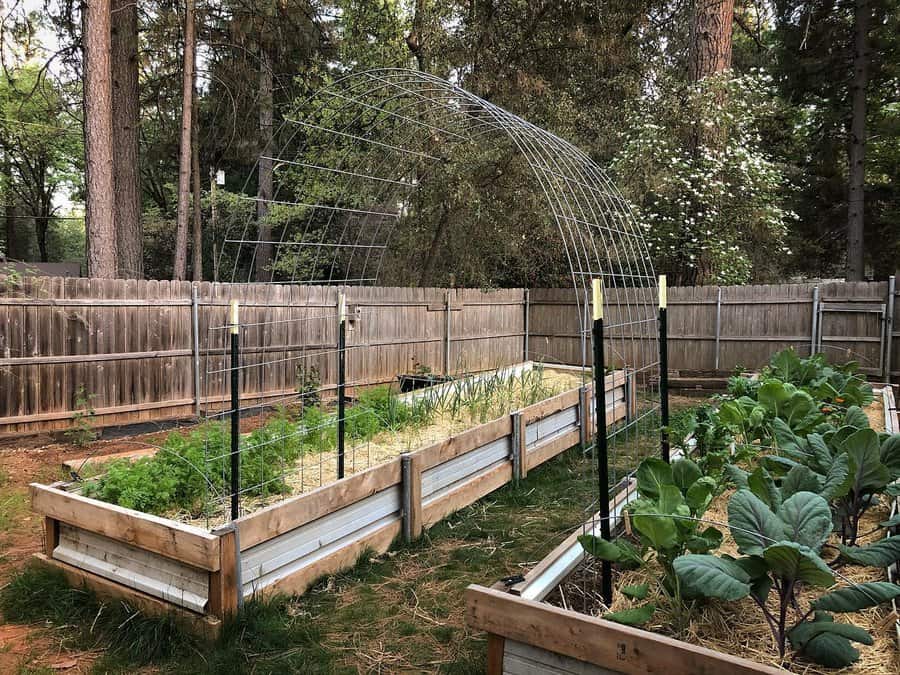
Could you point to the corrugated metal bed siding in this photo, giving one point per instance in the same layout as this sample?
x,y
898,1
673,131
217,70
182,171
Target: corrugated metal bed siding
x,y
290,552
136,568
444,478
554,425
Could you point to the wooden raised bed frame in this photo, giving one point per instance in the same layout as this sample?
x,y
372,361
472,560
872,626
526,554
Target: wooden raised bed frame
x,y
529,637
198,577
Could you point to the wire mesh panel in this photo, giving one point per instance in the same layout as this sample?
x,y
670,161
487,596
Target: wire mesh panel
x,y
355,168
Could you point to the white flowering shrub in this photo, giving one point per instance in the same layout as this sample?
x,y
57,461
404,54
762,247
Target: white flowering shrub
x,y
708,196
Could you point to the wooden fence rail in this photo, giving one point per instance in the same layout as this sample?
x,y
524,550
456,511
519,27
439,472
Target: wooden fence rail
x,y
141,351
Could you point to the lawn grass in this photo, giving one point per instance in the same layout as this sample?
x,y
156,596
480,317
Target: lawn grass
x,y
401,611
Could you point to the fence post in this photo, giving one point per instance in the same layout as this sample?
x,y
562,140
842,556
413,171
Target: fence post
x,y
235,412
342,381
718,324
411,486
889,327
815,321
525,356
600,443
195,346
447,333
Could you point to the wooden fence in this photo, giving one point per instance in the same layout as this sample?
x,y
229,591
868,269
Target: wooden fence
x,y
152,350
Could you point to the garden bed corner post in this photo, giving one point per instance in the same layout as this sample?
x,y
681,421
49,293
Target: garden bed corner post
x,y
600,444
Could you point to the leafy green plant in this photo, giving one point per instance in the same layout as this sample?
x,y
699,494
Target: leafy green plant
x,y
666,518
780,552
712,447
850,465
82,431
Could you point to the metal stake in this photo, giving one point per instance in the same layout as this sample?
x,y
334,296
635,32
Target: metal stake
x,y
235,412
602,450
342,379
663,370
889,327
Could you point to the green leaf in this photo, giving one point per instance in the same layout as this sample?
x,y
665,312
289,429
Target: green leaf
x,y
736,475
763,486
635,616
652,474
891,522
827,642
707,575
600,548
864,450
893,490
890,454
821,455
636,592
753,525
632,557
700,494
659,529
807,519
798,563
800,479
838,480
857,597
670,498
685,473
882,553
706,541
855,417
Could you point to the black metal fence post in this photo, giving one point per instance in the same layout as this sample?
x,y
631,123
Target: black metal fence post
x,y
600,443
663,370
342,379
235,412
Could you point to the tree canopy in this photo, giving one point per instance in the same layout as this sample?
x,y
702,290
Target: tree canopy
x,y
751,139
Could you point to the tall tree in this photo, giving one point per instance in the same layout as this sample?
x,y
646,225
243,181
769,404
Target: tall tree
x,y
99,209
856,152
179,271
126,112
264,190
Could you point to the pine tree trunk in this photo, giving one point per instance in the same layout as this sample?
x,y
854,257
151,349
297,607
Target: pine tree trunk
x,y
857,147
711,33
99,212
179,271
196,226
264,191
126,113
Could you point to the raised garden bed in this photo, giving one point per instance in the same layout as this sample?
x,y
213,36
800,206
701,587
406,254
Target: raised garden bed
x,y
533,629
200,576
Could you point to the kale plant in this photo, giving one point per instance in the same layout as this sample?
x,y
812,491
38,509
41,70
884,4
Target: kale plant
x,y
780,543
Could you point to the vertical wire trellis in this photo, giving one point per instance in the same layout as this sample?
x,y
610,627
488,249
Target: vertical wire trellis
x,y
347,167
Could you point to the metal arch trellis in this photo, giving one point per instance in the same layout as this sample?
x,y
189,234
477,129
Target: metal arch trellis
x,y
344,175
